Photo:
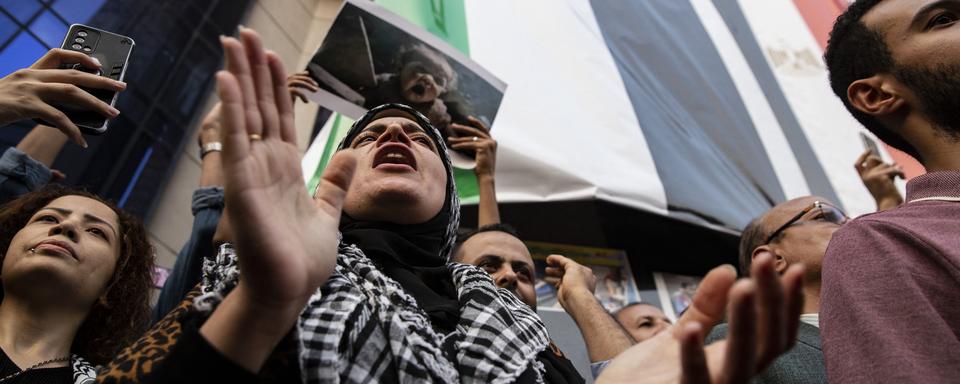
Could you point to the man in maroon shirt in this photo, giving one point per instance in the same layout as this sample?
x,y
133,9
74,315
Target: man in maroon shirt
x,y
890,305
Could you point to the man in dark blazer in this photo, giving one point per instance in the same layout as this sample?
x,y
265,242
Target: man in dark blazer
x,y
796,231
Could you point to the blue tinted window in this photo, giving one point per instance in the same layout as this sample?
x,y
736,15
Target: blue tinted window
x,y
77,11
49,28
7,28
23,10
21,52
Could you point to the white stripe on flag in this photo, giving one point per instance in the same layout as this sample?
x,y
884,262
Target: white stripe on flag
x,y
795,56
768,128
566,117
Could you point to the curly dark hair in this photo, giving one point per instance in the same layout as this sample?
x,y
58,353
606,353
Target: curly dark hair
x,y
117,321
856,52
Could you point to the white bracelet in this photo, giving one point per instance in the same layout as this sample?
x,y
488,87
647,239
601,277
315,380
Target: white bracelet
x,y
213,146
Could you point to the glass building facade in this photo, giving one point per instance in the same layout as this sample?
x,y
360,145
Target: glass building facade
x,y
169,74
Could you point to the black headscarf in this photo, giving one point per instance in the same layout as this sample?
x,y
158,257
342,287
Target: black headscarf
x,y
415,255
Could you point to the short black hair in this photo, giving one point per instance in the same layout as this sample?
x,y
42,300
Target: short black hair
x,y
616,314
633,304
498,227
855,52
752,237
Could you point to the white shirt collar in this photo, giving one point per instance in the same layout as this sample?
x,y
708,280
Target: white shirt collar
x,y
811,318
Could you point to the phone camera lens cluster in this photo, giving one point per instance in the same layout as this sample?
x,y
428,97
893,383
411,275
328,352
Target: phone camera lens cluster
x,y
79,40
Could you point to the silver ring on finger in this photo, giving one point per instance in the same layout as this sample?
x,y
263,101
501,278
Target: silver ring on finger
x,y
476,138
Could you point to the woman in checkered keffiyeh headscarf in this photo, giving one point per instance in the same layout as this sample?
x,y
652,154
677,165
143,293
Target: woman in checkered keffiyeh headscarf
x,y
394,310
388,308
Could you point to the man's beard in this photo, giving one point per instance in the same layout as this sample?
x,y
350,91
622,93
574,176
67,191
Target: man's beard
x,y
938,91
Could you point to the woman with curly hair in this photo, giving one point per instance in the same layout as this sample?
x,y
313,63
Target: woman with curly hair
x,y
75,285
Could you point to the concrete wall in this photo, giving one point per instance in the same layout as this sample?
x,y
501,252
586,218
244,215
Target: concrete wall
x,y
291,28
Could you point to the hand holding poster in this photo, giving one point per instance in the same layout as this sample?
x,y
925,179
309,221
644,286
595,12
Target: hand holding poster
x,y
371,57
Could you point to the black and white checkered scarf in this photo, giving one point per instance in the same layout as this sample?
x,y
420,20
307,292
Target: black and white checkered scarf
x,y
362,326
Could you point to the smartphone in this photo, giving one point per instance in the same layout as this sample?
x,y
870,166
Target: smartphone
x,y
113,51
870,144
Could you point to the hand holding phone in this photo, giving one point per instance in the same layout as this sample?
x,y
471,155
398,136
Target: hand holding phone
x,y
878,176
112,52
870,144
35,92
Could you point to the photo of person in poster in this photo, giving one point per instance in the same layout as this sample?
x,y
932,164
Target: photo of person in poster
x,y
615,285
372,57
424,80
676,291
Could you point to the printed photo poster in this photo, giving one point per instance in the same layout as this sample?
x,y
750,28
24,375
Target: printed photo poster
x,y
441,19
371,56
615,285
675,292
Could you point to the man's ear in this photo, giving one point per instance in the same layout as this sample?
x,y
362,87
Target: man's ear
x,y
779,263
878,95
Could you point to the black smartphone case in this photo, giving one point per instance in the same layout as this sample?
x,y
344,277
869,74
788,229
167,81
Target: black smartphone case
x,y
113,51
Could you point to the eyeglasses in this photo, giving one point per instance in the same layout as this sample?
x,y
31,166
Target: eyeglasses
x,y
818,211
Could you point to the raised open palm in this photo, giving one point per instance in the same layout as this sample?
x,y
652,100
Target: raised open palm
x,y
763,312
286,243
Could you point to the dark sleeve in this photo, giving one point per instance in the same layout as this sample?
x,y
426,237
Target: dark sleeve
x,y
879,319
19,174
194,360
719,332
207,208
558,369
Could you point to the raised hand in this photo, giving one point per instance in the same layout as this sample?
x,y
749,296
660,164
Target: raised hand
x,y
570,278
764,313
300,81
878,177
27,93
476,138
286,244
605,338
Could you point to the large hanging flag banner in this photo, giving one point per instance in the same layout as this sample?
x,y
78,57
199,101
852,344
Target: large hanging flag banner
x,y
708,111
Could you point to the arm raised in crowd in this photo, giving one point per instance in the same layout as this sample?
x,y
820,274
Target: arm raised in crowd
x,y
286,243
605,338
763,313
477,139
27,93
209,226
210,141
211,173
878,177
300,81
43,143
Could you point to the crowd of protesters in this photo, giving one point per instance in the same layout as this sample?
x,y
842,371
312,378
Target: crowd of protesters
x,y
365,279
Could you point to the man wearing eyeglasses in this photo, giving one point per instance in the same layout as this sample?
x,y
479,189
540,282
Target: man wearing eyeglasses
x,y
793,232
